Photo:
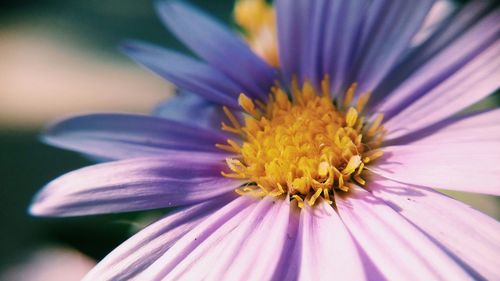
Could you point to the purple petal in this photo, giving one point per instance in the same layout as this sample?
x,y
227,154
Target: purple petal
x,y
323,244
185,72
145,247
387,34
455,166
398,249
121,136
191,109
452,36
471,128
470,235
218,46
198,245
460,75
135,184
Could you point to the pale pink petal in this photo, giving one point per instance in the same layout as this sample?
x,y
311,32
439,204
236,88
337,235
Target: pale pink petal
x,y
255,247
468,234
200,240
471,167
471,128
398,249
325,248
142,249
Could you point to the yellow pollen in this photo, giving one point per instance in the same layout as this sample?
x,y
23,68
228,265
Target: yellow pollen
x,y
301,144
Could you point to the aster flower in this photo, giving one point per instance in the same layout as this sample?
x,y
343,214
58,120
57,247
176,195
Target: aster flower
x,y
319,164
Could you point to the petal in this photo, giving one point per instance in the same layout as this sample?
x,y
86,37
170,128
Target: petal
x,y
470,128
455,166
386,36
452,37
398,249
201,241
218,46
135,184
469,235
191,109
185,72
458,76
255,247
120,136
325,246
145,247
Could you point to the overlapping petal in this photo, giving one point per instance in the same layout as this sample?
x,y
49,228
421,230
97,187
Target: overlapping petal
x,y
135,184
218,46
398,249
144,248
470,236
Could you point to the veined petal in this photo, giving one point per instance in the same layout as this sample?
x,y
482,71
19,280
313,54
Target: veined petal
x,y
387,34
185,72
456,25
469,235
218,46
135,184
191,109
472,128
255,247
398,249
325,246
120,136
201,241
455,166
145,247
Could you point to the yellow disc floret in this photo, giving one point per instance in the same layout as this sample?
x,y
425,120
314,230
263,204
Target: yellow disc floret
x,y
303,145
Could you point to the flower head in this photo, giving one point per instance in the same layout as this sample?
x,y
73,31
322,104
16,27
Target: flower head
x,y
311,156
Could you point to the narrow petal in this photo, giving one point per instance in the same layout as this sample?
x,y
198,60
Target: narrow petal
x,y
135,184
469,235
145,247
121,136
218,46
455,166
202,241
398,249
185,72
470,128
389,28
325,246
191,109
255,247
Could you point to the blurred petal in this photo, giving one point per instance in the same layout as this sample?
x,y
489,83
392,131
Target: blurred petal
x,y
194,248
135,184
324,245
469,235
145,247
185,72
191,109
455,166
398,249
218,46
121,136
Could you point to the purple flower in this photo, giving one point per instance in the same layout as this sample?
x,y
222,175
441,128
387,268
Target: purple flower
x,y
325,190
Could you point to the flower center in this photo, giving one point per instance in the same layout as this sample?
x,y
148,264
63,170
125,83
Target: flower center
x,y
305,146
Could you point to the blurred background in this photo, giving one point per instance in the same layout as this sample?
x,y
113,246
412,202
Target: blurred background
x,y
59,58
